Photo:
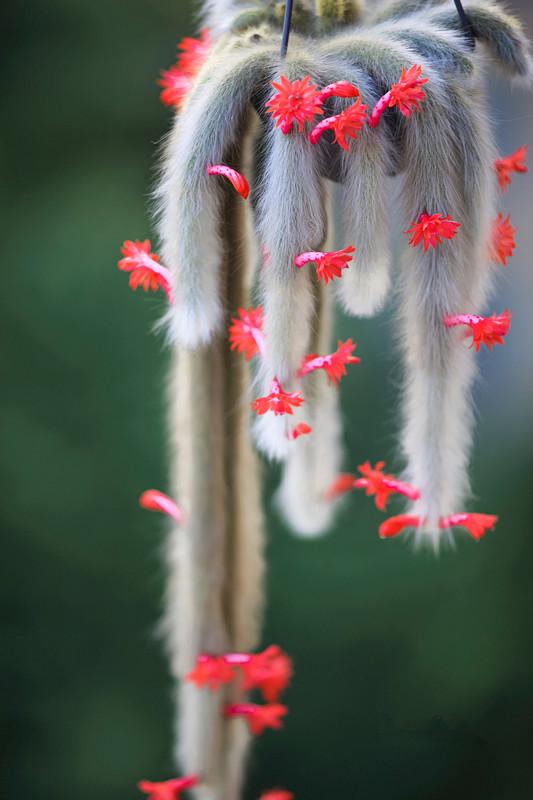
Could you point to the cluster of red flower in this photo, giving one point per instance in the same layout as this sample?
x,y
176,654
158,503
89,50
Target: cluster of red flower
x,y
246,336
301,101
380,485
172,789
270,672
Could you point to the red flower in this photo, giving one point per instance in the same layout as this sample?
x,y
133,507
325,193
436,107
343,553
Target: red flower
x,y
302,429
277,794
277,400
477,525
193,52
432,229
211,671
342,484
348,123
382,486
484,330
516,162
258,717
177,80
334,364
395,525
328,265
269,671
175,85
153,500
339,89
246,333
296,101
145,268
406,94
168,790
503,241
238,181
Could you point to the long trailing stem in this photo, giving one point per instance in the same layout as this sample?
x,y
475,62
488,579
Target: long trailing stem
x,y
215,561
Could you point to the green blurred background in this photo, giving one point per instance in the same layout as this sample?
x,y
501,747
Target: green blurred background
x,y
413,675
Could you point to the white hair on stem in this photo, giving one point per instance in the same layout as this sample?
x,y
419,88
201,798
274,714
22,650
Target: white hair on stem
x,y
313,461
291,219
210,123
215,559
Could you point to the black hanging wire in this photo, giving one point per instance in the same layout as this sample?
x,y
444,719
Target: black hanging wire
x,y
465,22
286,27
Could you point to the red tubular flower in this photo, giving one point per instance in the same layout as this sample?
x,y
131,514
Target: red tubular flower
x,y
153,500
193,52
395,525
297,101
484,330
175,85
211,671
246,332
503,241
339,89
406,95
277,400
346,124
431,229
328,265
477,525
516,162
168,790
302,429
334,365
238,181
269,671
258,717
382,486
342,484
177,80
277,794
145,268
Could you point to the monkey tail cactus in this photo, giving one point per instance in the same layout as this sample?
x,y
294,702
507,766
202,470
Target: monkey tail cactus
x,y
262,149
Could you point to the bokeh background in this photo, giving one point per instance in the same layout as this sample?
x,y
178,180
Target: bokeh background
x,y
413,675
